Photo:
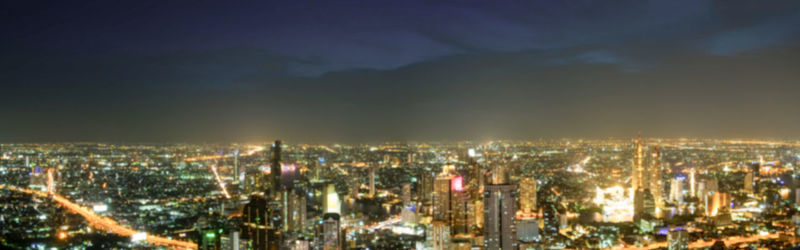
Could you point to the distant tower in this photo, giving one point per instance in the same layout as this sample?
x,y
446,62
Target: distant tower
x,y
235,184
372,181
499,202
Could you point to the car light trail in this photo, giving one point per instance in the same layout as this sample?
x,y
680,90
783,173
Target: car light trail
x,y
105,223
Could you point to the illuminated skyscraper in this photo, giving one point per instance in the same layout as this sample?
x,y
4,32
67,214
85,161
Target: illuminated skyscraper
x,y
441,197
234,188
676,189
294,211
656,184
527,199
637,170
499,209
372,181
462,208
331,229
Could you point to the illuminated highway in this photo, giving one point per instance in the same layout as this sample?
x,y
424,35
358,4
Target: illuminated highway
x,y
223,156
105,223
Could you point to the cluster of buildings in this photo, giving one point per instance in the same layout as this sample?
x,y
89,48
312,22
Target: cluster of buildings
x,y
655,193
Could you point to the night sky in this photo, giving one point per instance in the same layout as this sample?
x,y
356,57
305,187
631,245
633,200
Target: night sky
x,y
359,71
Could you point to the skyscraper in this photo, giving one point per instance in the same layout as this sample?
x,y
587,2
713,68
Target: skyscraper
x,y
256,224
440,235
637,170
331,228
441,197
275,167
462,208
527,197
676,189
372,181
656,184
499,210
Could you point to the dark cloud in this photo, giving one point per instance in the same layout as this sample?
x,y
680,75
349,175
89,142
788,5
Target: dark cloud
x,y
374,70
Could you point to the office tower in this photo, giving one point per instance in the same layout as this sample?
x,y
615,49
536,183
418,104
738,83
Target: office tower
x,y
527,197
749,183
294,211
656,184
441,197
256,224
372,181
637,170
678,239
275,167
406,194
331,232
676,190
499,210
462,208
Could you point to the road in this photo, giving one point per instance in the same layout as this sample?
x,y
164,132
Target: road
x,y
105,223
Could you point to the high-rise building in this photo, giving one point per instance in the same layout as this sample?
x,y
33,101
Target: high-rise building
x,y
406,194
678,240
528,230
527,197
331,237
656,184
462,208
332,204
440,235
275,167
749,183
499,209
637,170
294,211
676,190
755,169
372,181
256,223
441,197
